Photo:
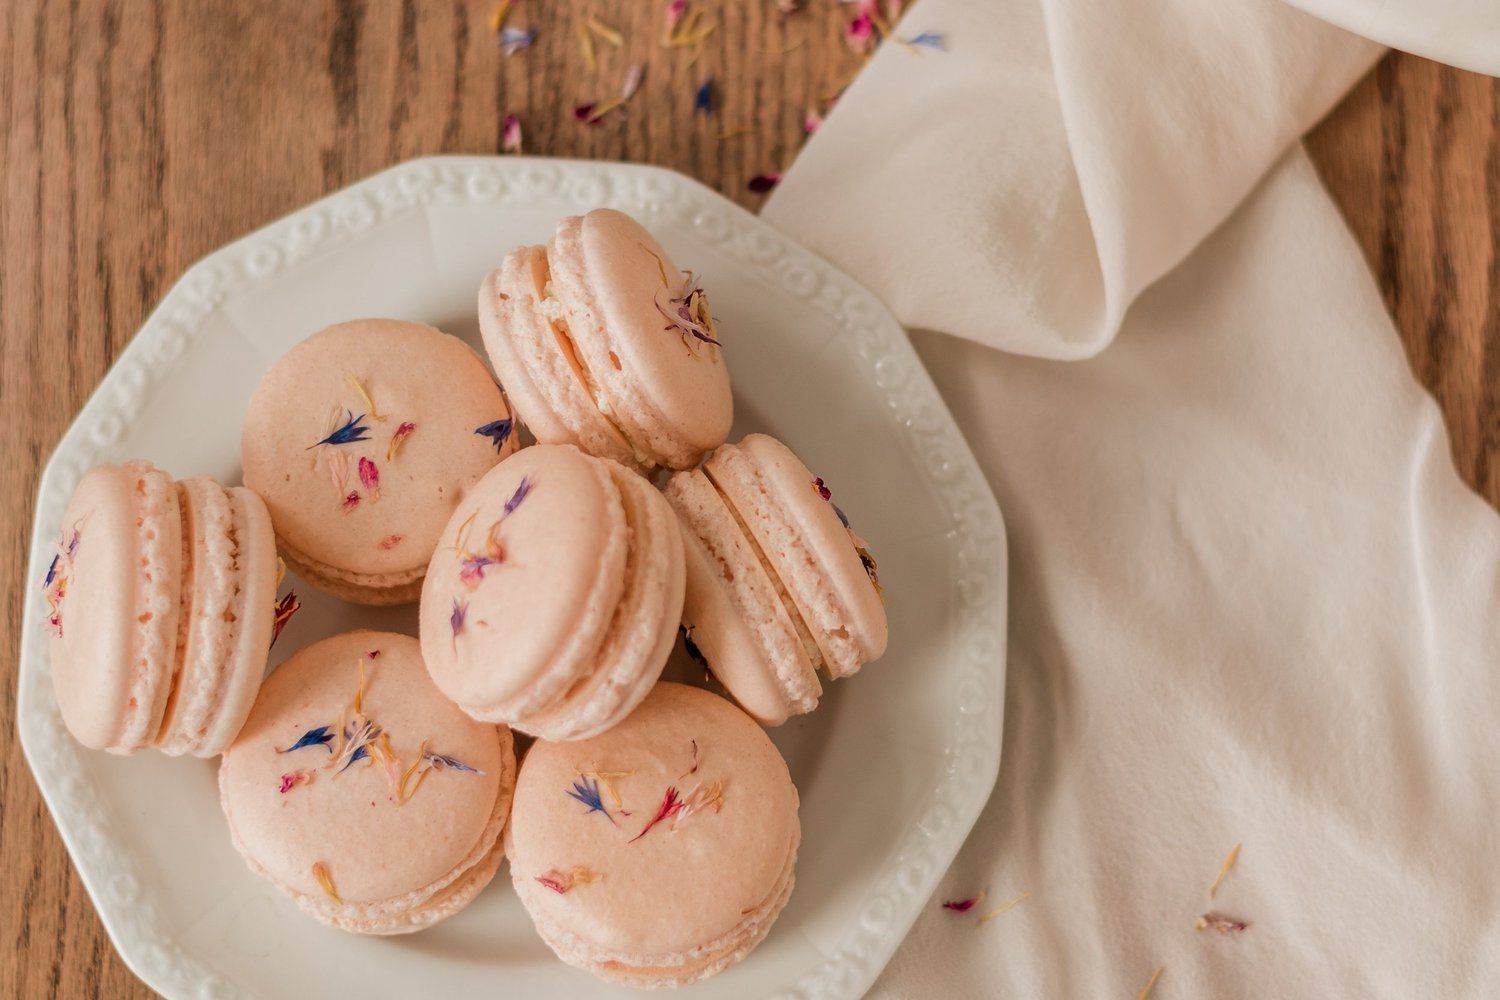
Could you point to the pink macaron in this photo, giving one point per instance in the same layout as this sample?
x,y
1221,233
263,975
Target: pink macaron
x,y
361,439
661,852
361,792
778,585
554,596
601,342
161,604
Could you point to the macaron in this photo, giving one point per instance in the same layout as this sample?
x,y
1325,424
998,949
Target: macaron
x,y
553,599
662,851
362,793
361,439
601,342
778,584
161,600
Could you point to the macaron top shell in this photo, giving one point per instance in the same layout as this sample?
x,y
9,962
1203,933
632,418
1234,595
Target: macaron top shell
x,y
524,582
91,584
363,437
665,887
293,809
656,380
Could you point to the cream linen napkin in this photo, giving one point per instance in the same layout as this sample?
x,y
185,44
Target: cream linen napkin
x,y
1252,602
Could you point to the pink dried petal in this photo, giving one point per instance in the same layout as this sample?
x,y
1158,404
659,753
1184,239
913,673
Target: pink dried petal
x,y
1219,924
369,476
350,502
510,135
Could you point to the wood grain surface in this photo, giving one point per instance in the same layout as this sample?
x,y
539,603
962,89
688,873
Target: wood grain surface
x,y
138,136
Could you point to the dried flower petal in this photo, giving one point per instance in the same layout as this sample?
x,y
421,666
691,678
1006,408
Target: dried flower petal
x,y
522,492
442,762
701,797
1234,855
859,33
928,39
1003,907
498,431
398,438
606,780
587,792
498,14
670,806
510,135
369,477
350,502
632,81
703,98
350,431
560,881
585,113
285,608
456,619
586,42
673,14
812,121
292,779
339,466
964,905
389,542
1145,992
821,489
785,7
359,387
693,769
604,31
316,737
320,872
1219,924
513,40
761,183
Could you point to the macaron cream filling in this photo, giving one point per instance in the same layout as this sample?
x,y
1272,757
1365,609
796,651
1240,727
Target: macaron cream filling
x,y
804,634
155,500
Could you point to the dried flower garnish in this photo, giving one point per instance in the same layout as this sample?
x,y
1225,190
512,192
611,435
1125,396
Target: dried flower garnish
x,y
398,438
859,33
350,502
339,466
285,608
604,31
670,806
592,113
561,881
359,387
1234,855
319,736
513,40
456,619
389,542
684,30
498,14
1004,907
606,780
292,779
964,905
699,798
929,40
320,872
1219,924
812,121
761,183
510,135
703,97
861,547
498,431
586,791
59,574
821,489
586,42
443,762
690,647
369,477
673,14
785,7
1145,992
688,310
521,493
350,431
693,769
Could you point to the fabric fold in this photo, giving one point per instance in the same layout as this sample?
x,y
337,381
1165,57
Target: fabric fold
x,y
1059,156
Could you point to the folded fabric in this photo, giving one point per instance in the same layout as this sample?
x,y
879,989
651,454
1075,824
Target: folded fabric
x,y
1252,601
1462,33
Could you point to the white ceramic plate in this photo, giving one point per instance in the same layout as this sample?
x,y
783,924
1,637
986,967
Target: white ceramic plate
x,y
893,767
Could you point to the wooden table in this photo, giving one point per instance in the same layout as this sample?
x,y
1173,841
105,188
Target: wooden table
x,y
139,136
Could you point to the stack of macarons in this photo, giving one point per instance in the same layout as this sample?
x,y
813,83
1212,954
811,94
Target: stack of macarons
x,y
161,606
652,829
